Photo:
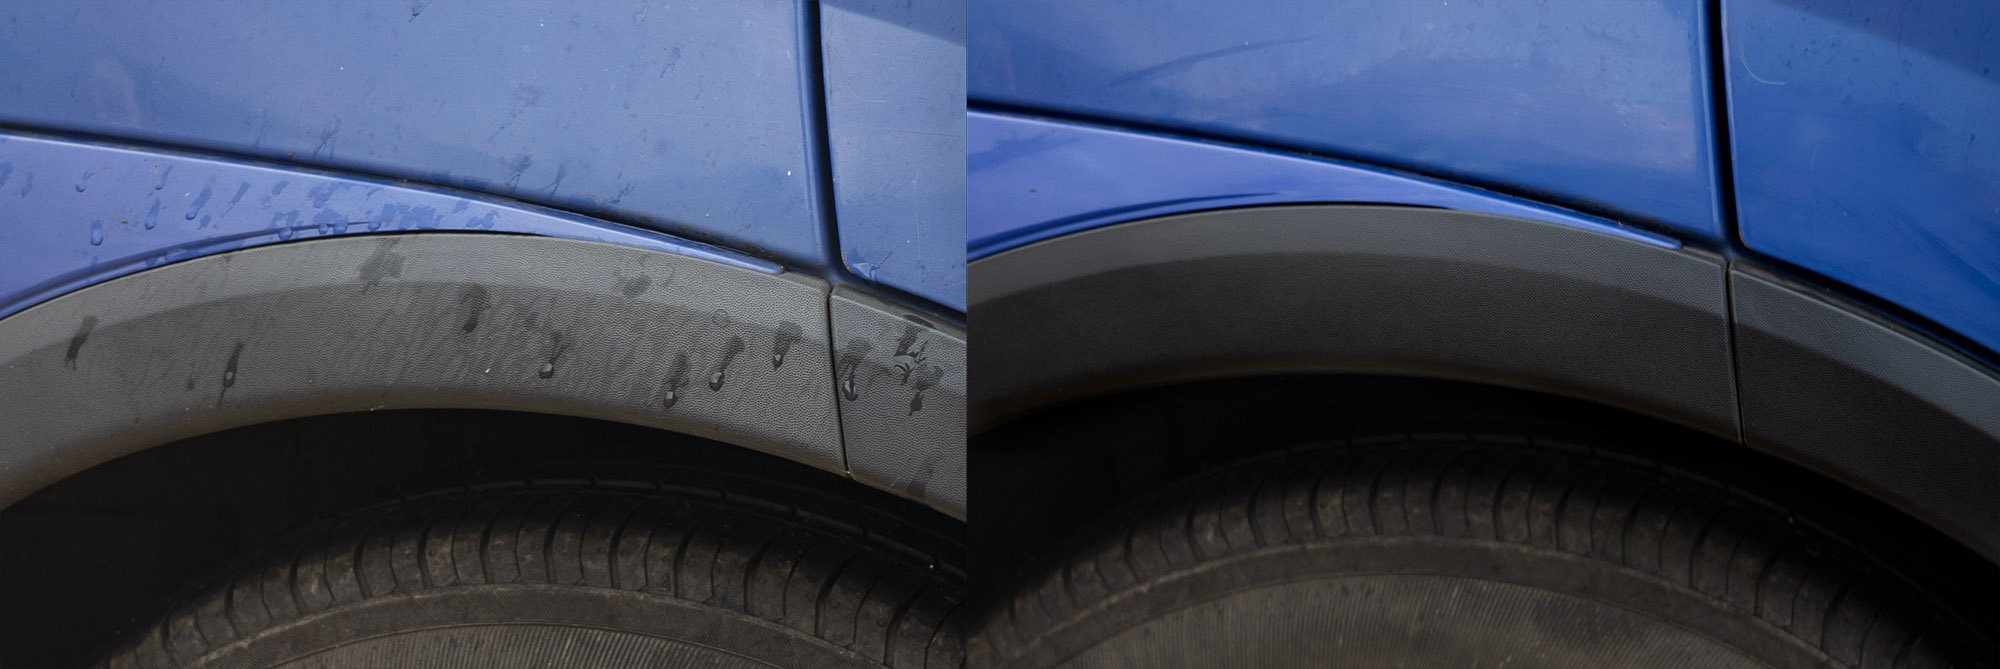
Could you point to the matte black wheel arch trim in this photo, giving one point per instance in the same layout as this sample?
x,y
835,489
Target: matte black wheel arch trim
x,y
429,320
1456,295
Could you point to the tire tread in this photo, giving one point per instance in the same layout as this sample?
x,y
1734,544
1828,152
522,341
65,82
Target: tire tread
x,y
872,594
1737,551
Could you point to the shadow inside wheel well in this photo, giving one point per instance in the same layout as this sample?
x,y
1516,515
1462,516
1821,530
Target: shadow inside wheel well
x,y
96,555
1044,483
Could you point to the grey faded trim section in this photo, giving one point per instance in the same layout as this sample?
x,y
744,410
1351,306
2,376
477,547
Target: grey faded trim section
x,y
416,321
901,382
1358,289
1866,402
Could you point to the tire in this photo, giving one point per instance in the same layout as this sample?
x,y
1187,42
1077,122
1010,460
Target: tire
x,y
1456,550
736,573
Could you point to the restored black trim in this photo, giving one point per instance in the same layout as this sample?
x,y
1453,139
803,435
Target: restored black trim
x,y
1353,289
416,321
1874,405
1487,299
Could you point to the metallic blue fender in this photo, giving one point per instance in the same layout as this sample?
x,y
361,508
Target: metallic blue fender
x,y
895,107
1033,179
79,213
1603,107
1867,148
689,118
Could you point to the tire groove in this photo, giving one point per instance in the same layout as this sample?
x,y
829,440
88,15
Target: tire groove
x,y
907,583
1710,528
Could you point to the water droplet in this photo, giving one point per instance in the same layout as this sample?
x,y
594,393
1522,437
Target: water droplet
x,y
96,233
668,401
375,224
721,318
201,200
777,359
548,370
285,233
847,388
228,377
715,381
84,182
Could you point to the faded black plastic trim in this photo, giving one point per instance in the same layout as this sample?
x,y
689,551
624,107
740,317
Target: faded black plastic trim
x,y
416,321
1353,289
901,383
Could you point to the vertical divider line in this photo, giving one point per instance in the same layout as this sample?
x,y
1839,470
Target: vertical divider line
x,y
833,378
819,166
1725,192
1719,116
818,144
819,169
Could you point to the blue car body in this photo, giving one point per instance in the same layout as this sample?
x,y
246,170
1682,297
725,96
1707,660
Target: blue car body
x,y
727,223
1824,171
806,154
1853,130
141,133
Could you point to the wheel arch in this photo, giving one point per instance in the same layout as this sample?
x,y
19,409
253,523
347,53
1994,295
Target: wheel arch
x,y
1460,296
417,321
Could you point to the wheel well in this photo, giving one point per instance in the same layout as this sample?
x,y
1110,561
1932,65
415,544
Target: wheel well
x,y
1045,477
108,549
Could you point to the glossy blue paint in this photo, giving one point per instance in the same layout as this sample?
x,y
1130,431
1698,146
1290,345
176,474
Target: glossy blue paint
x,y
895,105
1602,107
1867,147
73,214
1033,179
685,117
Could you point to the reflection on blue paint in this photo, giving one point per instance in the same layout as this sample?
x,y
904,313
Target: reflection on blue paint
x,y
53,241
1598,106
1031,179
895,106
684,117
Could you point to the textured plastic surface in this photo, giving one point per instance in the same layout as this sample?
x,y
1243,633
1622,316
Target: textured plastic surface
x,y
1034,178
1603,107
416,321
1866,147
683,116
901,384
1878,407
73,214
1341,289
895,107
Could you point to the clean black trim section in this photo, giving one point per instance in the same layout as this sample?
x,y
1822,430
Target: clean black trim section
x,y
471,321
1869,403
1353,289
1824,382
900,379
